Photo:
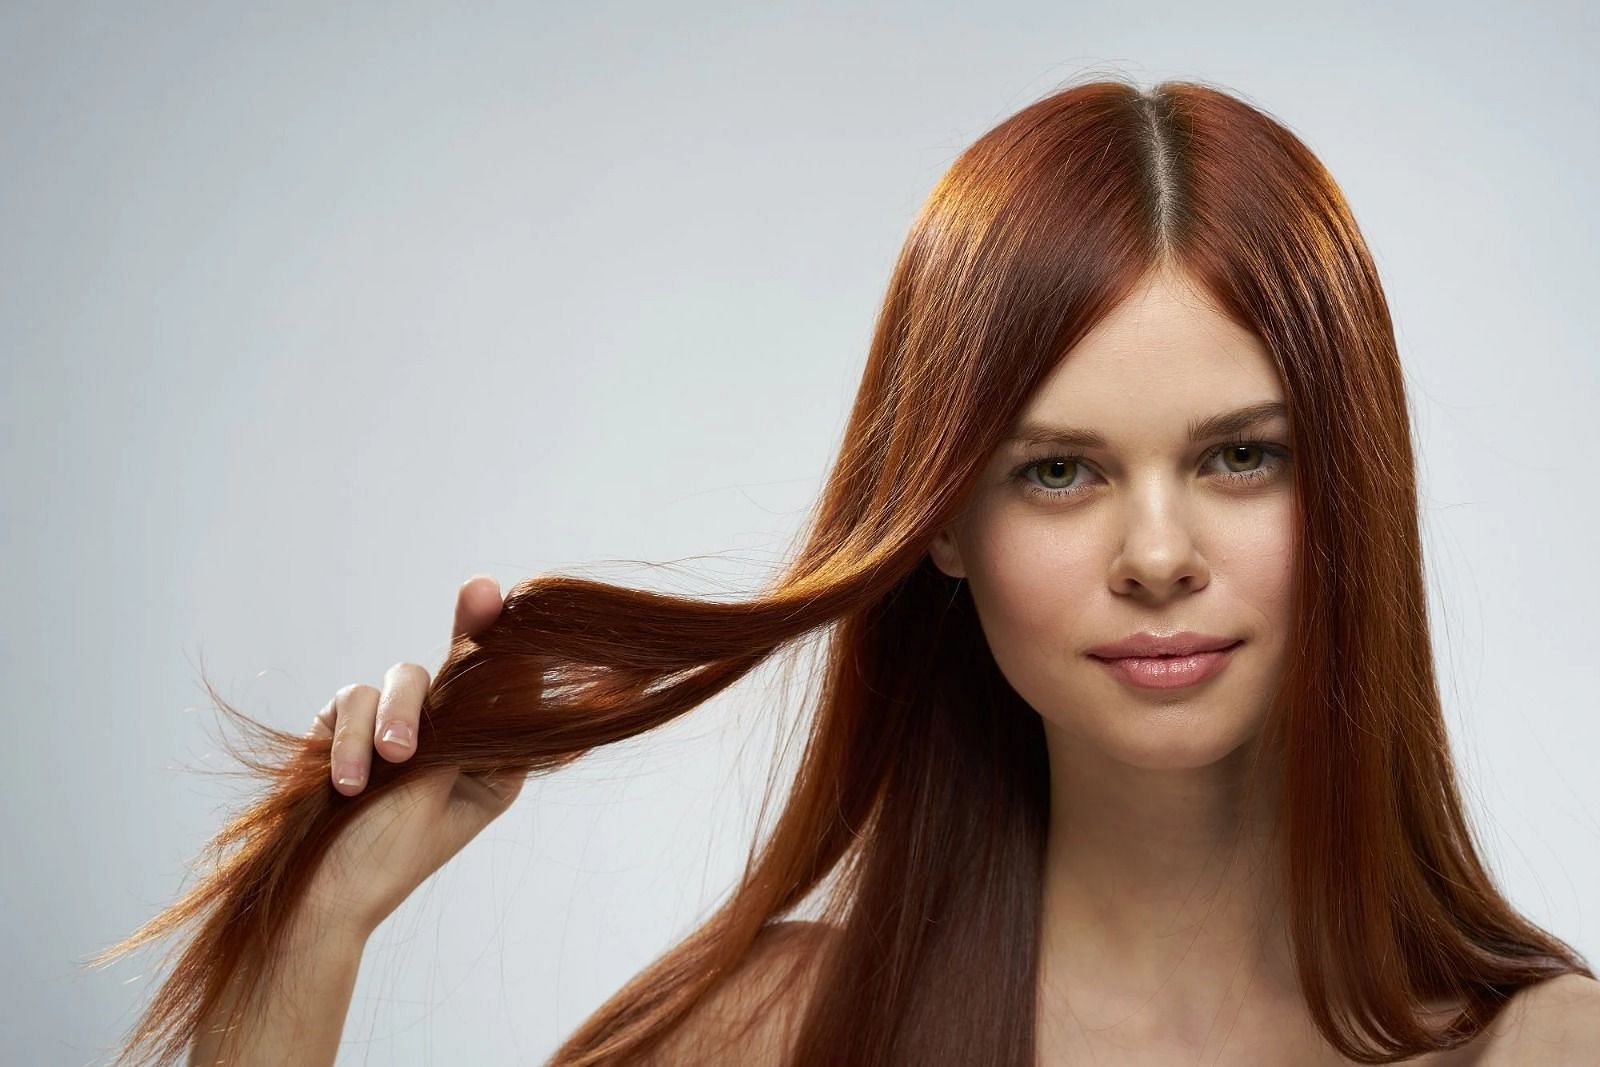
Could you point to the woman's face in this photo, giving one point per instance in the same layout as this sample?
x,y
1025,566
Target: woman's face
x,y
1069,546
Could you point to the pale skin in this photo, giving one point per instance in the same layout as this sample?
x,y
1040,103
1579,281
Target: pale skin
x,y
1163,938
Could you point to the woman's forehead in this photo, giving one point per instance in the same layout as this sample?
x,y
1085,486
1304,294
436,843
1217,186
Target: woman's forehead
x,y
1163,363
1096,395
1166,326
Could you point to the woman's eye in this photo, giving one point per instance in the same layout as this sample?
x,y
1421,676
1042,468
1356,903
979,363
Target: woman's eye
x,y
1052,476
1229,454
1062,469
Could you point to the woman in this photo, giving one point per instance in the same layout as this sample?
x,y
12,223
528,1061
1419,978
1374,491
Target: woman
x,y
1129,746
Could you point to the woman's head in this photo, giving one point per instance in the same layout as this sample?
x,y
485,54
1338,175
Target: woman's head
x,y
1102,513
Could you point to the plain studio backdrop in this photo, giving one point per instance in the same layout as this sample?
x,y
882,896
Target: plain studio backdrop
x,y
309,314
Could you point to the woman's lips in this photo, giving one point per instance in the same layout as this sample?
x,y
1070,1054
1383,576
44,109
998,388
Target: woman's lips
x,y
1169,672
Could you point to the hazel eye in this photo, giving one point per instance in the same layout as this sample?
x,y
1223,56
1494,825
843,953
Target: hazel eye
x,y
1229,454
1068,468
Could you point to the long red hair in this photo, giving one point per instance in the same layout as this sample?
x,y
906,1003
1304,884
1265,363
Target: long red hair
x,y
919,813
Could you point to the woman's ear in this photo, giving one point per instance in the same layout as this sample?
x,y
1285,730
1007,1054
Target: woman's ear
x,y
946,554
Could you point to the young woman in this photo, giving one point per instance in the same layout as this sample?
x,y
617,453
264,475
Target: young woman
x,y
1128,747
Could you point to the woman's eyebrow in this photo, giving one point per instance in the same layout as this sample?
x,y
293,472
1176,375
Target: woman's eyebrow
x,y
1225,424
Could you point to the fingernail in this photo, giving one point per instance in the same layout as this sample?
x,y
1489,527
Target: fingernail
x,y
347,774
399,733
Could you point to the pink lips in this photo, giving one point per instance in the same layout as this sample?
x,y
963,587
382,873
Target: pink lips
x,y
1169,672
1166,662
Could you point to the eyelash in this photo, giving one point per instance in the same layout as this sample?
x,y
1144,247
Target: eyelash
x,y
1278,455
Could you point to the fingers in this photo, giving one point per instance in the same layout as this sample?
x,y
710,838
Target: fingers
x,y
362,719
322,725
399,711
355,713
478,604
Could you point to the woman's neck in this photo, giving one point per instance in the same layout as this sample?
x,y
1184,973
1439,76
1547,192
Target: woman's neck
x,y
1163,913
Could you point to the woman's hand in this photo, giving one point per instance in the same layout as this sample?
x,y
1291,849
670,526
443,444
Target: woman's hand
x,y
399,840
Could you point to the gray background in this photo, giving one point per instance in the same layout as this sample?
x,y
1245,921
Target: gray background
x,y
309,314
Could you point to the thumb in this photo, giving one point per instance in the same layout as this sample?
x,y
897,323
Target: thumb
x,y
478,603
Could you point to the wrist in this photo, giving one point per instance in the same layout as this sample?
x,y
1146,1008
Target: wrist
x,y
325,930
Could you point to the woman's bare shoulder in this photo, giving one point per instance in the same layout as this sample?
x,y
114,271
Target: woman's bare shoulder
x,y
748,1017
1556,1021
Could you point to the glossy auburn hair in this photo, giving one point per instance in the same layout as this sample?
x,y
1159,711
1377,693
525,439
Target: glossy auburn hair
x,y
919,811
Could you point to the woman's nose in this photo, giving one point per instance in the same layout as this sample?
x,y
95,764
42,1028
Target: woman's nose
x,y
1160,554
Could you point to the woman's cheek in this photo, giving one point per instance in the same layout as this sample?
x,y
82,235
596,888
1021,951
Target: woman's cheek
x,y
1254,556
1032,581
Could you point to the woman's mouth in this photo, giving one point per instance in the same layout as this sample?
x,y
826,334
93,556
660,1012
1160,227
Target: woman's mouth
x,y
1169,672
